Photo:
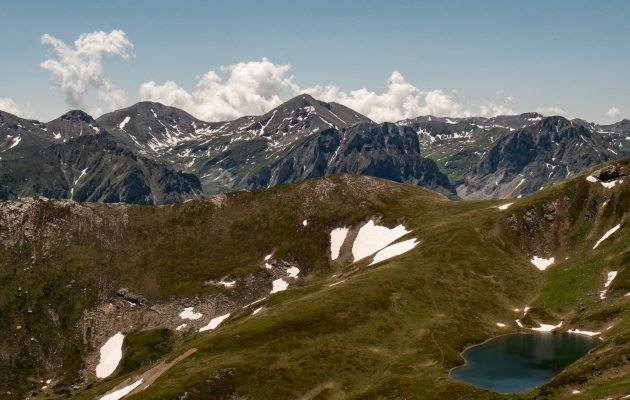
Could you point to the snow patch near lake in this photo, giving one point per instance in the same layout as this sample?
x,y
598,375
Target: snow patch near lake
x,y
542,263
124,391
111,354
188,313
337,237
519,323
372,238
587,333
505,206
279,285
395,250
547,328
214,322
606,235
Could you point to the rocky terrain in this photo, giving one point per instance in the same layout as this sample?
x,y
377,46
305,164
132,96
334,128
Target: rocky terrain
x,y
91,168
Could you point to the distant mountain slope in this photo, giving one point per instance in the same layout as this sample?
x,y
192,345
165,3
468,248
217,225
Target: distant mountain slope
x,y
70,125
20,137
91,168
526,160
383,150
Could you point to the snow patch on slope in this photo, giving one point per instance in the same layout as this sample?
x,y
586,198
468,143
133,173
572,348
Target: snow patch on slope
x,y
337,237
372,238
111,354
395,250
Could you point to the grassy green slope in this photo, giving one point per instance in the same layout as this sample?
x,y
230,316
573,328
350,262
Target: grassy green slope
x,y
389,330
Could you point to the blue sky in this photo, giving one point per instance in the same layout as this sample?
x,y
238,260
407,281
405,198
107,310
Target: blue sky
x,y
561,57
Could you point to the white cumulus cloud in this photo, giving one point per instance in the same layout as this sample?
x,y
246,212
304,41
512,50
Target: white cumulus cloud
x,y
252,88
550,111
613,112
10,106
402,100
76,68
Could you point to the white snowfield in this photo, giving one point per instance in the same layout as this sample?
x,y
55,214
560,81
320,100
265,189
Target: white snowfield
x,y
256,310
214,322
372,238
505,206
122,124
305,222
500,324
518,322
608,185
395,250
182,326
267,257
279,285
227,284
337,237
591,178
189,313
611,276
111,354
124,391
587,333
606,235
542,263
547,328
293,272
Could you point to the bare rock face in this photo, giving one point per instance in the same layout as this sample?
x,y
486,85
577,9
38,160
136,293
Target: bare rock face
x,y
606,173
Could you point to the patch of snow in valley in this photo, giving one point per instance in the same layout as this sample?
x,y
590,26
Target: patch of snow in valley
x,y
394,250
122,392
337,237
372,238
542,263
189,313
547,328
505,206
279,285
214,322
227,284
606,235
80,176
520,183
587,333
111,354
122,124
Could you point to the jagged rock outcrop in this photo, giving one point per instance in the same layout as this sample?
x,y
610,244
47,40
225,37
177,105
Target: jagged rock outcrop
x,y
380,150
91,168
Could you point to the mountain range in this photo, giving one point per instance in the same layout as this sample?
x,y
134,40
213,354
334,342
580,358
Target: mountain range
x,y
462,158
342,286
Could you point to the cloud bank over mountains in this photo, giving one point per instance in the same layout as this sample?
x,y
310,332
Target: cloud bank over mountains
x,y
76,68
249,88
254,88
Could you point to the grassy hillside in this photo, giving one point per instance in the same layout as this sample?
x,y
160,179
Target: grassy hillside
x,y
389,330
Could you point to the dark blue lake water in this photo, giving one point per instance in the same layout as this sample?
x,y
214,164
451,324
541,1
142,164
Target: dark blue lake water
x,y
520,362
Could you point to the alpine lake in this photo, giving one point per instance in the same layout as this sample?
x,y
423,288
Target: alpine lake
x,y
517,363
